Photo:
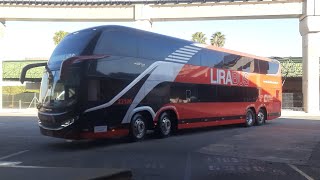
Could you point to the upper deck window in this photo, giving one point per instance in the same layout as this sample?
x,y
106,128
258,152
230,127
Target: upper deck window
x,y
212,58
118,67
268,67
117,43
273,67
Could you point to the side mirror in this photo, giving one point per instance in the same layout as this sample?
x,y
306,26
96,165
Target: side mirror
x,y
27,68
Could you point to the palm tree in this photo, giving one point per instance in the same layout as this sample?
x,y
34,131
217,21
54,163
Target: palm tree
x,y
218,39
199,37
58,36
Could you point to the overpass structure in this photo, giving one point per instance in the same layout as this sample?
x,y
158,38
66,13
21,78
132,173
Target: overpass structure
x,y
145,12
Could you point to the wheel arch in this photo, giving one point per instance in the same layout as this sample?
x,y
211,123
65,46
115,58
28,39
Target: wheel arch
x,y
146,112
252,107
172,110
265,110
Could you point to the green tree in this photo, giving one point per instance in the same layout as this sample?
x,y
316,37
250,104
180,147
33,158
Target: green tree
x,y
218,39
58,36
290,68
12,91
199,37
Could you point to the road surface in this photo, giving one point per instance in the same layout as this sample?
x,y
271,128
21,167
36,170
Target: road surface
x,y
281,149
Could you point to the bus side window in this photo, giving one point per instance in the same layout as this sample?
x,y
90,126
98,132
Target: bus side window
x,y
264,67
246,63
188,94
208,58
230,61
117,43
195,60
254,66
273,68
93,90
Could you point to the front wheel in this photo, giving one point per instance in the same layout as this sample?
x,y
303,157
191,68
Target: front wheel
x,y
250,118
164,125
138,128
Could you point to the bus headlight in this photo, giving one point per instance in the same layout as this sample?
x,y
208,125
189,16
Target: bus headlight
x,y
67,122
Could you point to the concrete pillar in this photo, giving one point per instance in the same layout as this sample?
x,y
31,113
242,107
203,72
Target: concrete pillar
x,y
142,14
2,28
310,32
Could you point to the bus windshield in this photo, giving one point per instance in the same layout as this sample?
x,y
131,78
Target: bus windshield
x,y
72,45
57,93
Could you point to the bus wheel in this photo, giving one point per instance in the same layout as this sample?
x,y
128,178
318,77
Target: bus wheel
x,y
138,127
164,125
261,117
250,118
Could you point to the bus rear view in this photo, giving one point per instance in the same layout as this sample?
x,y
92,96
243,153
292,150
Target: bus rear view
x,y
113,81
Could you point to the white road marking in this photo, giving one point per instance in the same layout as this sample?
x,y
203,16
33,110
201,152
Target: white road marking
x,y
15,166
300,172
14,154
8,164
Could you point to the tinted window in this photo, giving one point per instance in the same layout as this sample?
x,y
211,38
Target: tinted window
x,y
180,93
117,43
254,67
183,93
72,45
104,89
273,67
230,61
207,93
212,58
232,94
151,45
264,66
244,64
195,59
118,67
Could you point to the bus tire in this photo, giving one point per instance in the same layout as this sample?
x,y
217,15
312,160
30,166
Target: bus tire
x,y
164,126
261,117
250,118
138,128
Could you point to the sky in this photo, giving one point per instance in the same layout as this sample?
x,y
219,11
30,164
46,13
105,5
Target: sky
x,y
262,37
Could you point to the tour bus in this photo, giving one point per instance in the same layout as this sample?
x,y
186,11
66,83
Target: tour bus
x,y
114,81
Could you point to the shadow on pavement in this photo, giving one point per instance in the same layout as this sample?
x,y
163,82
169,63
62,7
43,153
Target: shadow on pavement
x,y
74,145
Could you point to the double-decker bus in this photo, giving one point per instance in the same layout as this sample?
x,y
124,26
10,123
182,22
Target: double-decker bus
x,y
112,81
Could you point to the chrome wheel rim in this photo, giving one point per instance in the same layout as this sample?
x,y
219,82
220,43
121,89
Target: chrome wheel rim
x,y
260,117
165,125
139,128
249,118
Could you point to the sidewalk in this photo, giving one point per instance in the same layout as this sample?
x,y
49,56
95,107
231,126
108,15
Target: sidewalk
x,y
298,114
18,112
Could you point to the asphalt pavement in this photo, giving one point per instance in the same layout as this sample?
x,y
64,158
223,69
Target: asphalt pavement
x,y
285,148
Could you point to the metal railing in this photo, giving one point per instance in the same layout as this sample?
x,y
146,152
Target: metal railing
x,y
292,101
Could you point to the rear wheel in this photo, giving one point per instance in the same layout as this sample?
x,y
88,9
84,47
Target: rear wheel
x,y
261,117
138,127
250,118
164,125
